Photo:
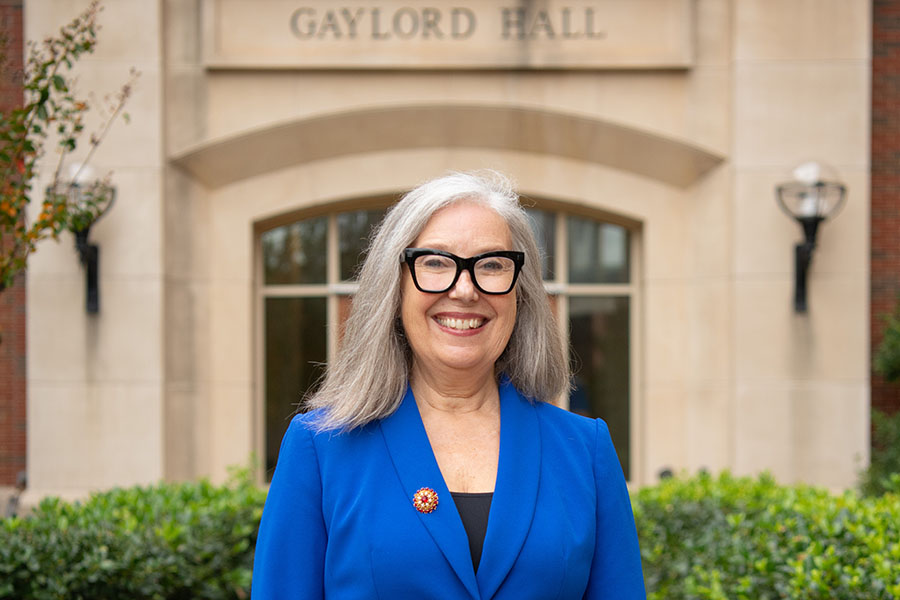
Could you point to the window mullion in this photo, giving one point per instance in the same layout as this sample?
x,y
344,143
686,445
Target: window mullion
x,y
286,291
561,268
599,289
333,269
560,280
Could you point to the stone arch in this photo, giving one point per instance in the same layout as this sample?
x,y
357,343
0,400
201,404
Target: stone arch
x,y
216,163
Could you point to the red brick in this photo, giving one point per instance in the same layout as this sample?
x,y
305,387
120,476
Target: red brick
x,y
885,184
12,300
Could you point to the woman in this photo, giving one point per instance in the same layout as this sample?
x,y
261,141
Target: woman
x,y
433,464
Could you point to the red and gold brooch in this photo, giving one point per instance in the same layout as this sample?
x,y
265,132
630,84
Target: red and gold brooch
x,y
425,500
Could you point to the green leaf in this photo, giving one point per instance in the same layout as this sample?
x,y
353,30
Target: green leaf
x,y
59,83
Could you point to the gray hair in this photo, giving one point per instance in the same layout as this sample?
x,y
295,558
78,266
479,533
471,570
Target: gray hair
x,y
368,379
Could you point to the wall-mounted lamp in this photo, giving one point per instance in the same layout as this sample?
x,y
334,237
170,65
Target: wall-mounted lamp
x,y
813,196
86,200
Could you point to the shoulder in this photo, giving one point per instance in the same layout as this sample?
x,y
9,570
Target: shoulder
x,y
312,424
582,439
560,429
549,414
309,427
297,444
301,431
552,416
572,433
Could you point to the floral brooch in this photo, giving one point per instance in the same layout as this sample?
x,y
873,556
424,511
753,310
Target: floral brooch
x,y
425,500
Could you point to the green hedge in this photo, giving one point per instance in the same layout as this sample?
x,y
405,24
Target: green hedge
x,y
704,537
734,538
885,459
175,541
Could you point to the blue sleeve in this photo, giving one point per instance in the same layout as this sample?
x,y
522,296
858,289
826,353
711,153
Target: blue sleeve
x,y
290,548
616,566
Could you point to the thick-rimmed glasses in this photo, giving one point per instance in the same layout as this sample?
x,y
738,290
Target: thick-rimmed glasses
x,y
436,271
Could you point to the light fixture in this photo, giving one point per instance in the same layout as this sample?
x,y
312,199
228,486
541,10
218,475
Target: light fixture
x,y
86,199
813,196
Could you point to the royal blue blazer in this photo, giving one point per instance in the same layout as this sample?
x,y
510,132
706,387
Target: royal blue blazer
x,y
339,520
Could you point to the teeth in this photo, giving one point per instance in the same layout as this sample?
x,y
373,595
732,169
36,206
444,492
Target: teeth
x,y
461,324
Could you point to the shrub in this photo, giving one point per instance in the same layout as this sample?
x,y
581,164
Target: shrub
x,y
703,538
169,541
886,360
883,473
741,539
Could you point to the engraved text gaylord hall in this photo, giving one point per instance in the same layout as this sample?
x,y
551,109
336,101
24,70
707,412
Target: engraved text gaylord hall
x,y
458,23
448,34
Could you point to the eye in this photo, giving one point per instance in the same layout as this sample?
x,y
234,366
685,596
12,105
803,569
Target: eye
x,y
493,265
435,262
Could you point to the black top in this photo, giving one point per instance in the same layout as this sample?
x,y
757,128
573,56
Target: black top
x,y
474,510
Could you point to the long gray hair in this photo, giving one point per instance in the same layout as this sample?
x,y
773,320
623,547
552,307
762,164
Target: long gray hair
x,y
368,379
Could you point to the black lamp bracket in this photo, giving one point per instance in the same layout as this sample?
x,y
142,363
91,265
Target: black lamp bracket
x,y
803,253
89,254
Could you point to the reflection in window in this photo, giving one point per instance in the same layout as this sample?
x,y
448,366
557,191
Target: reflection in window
x,y
543,225
295,253
598,252
354,229
294,352
599,327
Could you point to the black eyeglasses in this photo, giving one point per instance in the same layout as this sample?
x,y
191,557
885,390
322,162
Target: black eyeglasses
x,y
436,271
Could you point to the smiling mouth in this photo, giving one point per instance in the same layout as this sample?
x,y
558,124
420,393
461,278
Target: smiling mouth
x,y
460,324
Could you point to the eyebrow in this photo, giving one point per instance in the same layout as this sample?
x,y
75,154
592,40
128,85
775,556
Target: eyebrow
x,y
446,248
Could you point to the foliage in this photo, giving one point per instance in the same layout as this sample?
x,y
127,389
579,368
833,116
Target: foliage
x,y
886,359
883,473
717,538
703,538
50,111
170,541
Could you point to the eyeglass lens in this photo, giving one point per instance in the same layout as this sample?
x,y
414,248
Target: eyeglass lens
x,y
435,273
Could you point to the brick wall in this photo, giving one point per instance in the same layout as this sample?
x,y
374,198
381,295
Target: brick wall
x,y
12,300
885,214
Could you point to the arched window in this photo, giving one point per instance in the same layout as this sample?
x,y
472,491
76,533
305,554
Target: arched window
x,y
308,277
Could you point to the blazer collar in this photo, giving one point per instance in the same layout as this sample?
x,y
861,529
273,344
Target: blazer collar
x,y
515,491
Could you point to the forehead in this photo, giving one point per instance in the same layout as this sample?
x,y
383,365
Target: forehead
x,y
467,224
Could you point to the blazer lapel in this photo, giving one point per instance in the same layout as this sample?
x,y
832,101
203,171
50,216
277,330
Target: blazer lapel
x,y
416,466
515,492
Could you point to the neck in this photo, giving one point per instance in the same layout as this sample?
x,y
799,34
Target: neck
x,y
454,393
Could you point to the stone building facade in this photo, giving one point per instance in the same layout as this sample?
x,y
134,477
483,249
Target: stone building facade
x,y
648,137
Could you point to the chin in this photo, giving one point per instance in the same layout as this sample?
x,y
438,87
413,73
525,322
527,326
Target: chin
x,y
462,361
460,364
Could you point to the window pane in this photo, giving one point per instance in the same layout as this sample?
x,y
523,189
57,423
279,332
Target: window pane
x,y
543,224
295,349
345,305
600,355
354,229
296,253
598,252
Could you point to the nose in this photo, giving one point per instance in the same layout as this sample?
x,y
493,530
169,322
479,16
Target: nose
x,y
464,289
